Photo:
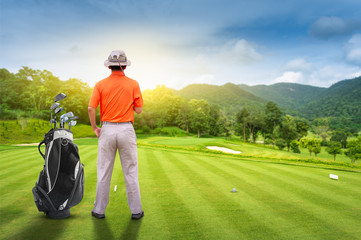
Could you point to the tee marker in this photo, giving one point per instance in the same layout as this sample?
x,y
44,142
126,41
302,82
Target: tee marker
x,y
332,176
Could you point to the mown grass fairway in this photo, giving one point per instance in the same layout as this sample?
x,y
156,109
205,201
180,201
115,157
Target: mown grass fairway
x,y
187,194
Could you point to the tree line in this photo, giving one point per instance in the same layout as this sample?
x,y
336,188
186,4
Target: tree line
x,y
30,93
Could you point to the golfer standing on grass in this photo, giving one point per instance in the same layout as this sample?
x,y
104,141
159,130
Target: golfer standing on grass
x,y
118,96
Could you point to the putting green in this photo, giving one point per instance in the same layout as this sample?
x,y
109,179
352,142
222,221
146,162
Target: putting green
x,y
188,195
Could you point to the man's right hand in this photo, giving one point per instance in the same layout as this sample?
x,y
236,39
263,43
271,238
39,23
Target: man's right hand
x,y
97,131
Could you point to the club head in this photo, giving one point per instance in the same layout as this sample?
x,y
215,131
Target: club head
x,y
62,120
59,97
54,105
71,123
58,110
70,114
53,121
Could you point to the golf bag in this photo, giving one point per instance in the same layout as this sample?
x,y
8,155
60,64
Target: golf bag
x,y
60,185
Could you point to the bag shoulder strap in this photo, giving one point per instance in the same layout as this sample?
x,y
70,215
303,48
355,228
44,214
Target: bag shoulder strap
x,y
41,143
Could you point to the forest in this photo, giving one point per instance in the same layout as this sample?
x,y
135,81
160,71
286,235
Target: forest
x,y
29,94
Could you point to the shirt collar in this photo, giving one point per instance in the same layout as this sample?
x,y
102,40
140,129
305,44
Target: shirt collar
x,y
118,73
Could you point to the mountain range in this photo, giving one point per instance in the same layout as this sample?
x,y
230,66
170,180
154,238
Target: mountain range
x,y
342,100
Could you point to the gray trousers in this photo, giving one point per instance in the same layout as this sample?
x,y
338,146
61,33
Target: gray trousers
x,y
119,137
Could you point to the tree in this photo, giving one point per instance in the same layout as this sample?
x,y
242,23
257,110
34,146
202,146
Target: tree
x,y
183,117
273,117
294,146
302,126
312,144
162,106
287,130
304,143
334,148
354,149
339,136
214,120
280,143
241,120
199,115
11,88
316,148
321,128
225,125
254,123
322,131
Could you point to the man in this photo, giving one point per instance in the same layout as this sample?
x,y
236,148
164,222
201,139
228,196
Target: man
x,y
118,96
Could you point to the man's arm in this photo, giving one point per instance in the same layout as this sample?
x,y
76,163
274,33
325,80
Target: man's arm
x,y
92,119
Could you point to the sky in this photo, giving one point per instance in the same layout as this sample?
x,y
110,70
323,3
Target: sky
x,y
181,42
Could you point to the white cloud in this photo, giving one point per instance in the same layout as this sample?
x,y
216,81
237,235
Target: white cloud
x,y
354,75
327,27
292,77
205,78
353,50
330,74
239,51
354,55
298,64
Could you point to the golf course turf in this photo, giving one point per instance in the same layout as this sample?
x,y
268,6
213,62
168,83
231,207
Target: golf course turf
x,y
188,194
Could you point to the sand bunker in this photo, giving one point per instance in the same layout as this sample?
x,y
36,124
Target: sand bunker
x,y
223,149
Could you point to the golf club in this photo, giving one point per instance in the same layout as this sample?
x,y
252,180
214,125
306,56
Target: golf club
x,y
53,106
61,120
57,110
51,123
59,97
71,123
66,117
74,118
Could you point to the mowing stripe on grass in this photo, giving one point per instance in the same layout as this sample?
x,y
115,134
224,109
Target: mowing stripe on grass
x,y
19,191
252,191
187,195
303,216
250,224
308,199
233,221
29,165
321,177
315,198
192,196
320,182
179,220
16,157
32,168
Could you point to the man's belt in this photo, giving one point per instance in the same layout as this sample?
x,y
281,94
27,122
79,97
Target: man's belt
x,y
115,123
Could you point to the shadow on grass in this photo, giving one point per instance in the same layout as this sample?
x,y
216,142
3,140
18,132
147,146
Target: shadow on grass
x,y
43,227
102,230
132,230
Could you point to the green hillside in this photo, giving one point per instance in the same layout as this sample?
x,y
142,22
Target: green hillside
x,y
341,100
229,96
291,97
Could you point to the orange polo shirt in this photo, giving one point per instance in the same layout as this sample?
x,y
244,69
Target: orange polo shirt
x,y
116,94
